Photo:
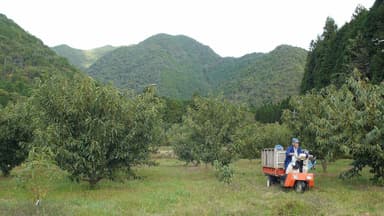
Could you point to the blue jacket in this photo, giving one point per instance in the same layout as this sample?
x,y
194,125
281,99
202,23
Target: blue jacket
x,y
288,158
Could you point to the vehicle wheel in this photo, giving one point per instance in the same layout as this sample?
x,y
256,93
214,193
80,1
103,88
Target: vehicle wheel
x,y
300,186
269,182
282,180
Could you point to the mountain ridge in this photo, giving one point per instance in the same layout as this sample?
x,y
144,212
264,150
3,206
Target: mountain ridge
x,y
79,58
179,65
182,66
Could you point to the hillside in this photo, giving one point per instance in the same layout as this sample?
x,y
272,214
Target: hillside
x,y
229,68
177,64
267,78
23,58
181,66
358,44
82,59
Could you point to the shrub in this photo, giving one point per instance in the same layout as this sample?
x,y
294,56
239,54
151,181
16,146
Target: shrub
x,y
38,174
224,172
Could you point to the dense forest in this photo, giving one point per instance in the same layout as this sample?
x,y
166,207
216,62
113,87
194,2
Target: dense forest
x,y
270,78
357,44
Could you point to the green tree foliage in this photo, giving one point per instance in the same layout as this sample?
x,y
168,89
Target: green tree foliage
x,y
16,132
270,77
358,44
38,174
206,133
254,137
270,112
224,172
321,58
364,127
348,120
24,58
173,111
314,120
94,130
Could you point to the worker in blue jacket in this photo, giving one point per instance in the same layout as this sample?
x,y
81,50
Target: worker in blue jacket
x,y
293,150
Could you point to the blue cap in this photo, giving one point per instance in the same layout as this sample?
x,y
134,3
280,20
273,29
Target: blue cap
x,y
295,140
279,147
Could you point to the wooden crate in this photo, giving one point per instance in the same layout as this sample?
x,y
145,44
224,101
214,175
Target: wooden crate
x,y
273,158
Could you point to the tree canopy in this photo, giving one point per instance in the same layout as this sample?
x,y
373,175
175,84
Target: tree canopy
x,y
16,128
357,44
207,131
347,121
93,129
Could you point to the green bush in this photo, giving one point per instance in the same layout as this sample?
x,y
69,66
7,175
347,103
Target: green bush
x,y
38,174
224,172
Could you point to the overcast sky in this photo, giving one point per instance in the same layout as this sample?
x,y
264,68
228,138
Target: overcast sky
x,y
229,27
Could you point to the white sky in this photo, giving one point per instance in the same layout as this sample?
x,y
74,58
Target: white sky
x,y
229,27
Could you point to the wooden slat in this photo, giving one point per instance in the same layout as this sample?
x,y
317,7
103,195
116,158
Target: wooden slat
x,y
272,158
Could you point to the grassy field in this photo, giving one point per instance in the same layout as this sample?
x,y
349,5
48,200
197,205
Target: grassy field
x,y
174,189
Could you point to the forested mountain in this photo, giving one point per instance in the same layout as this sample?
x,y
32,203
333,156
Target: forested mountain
x,y
266,78
23,57
177,64
181,66
358,44
82,59
229,68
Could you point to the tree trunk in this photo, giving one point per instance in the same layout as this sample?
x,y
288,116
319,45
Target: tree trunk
x,y
197,163
324,165
5,171
93,181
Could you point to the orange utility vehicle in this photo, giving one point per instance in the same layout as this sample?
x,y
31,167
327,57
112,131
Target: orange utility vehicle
x,y
272,160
